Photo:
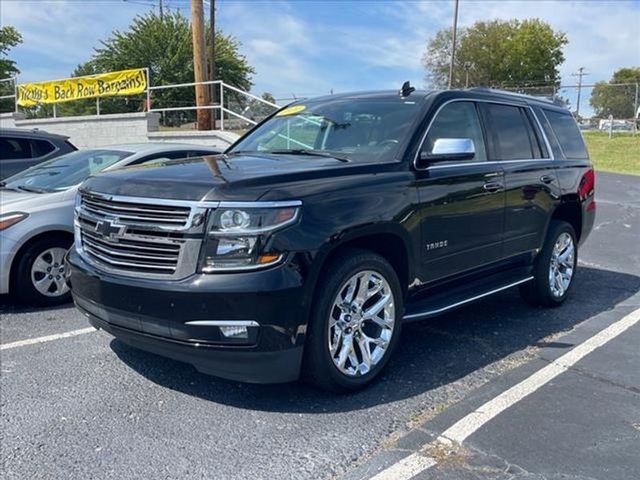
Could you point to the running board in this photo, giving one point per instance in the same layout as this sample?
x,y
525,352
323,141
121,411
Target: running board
x,y
442,302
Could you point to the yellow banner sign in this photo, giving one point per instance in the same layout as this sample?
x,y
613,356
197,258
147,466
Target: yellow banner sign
x,y
125,82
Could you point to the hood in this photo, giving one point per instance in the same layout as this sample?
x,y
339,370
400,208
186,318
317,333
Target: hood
x,y
238,177
11,200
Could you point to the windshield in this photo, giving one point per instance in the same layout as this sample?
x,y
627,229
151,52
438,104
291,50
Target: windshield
x,y
367,129
65,171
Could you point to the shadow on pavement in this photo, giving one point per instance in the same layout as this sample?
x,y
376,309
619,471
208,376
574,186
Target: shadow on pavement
x,y
8,304
430,354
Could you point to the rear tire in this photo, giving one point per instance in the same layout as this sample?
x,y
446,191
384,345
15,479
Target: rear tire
x,y
355,324
554,269
39,273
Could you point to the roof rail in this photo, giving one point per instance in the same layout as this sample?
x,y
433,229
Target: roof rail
x,y
552,100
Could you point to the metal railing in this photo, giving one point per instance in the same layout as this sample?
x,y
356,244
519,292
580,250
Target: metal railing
x,y
14,89
221,87
223,91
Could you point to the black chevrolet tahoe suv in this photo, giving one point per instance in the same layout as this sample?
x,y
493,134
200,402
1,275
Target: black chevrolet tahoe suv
x,y
304,249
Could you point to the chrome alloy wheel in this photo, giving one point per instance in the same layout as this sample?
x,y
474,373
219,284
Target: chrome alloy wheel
x,y
47,272
361,323
562,265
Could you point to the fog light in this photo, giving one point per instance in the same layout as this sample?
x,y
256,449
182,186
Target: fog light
x,y
235,332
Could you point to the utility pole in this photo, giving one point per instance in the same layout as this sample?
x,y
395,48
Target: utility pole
x,y
161,8
581,73
200,65
453,43
212,71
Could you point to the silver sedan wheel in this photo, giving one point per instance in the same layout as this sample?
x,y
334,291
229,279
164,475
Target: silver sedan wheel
x,y
562,265
47,272
361,323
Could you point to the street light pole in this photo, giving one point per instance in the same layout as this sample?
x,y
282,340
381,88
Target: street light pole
x,y
453,43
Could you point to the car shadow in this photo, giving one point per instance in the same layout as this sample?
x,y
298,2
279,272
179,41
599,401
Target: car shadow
x,y
9,304
430,354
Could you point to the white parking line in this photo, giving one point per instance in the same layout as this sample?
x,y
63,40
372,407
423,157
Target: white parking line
x,y
48,338
406,468
468,425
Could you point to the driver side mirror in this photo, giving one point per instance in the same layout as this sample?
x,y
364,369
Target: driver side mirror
x,y
449,149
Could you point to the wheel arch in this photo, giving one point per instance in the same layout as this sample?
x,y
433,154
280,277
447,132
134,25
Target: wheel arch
x,y
570,210
389,241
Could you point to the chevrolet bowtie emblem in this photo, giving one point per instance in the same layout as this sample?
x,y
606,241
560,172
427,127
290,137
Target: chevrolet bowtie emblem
x,y
110,230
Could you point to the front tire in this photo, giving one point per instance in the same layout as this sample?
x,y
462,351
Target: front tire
x,y
39,278
355,324
554,268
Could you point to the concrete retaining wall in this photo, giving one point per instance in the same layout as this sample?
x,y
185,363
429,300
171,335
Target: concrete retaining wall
x,y
102,130
98,130
212,138
8,120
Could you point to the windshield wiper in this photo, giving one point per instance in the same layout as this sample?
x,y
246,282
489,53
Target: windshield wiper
x,y
31,189
314,153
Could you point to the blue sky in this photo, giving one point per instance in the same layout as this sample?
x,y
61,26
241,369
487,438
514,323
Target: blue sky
x,y
306,48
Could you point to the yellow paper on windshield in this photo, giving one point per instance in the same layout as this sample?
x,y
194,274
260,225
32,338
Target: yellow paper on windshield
x,y
291,110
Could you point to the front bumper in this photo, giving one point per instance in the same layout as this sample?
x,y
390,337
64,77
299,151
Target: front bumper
x,y
158,316
8,249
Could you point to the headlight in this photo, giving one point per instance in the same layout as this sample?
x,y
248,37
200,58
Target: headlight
x,y
237,234
8,219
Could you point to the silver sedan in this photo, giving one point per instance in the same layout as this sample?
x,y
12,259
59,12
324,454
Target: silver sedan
x,y
36,214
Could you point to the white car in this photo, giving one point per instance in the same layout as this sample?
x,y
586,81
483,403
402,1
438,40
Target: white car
x,y
36,214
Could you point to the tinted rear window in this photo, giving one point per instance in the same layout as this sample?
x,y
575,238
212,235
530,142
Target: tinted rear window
x,y
567,133
511,132
41,147
12,148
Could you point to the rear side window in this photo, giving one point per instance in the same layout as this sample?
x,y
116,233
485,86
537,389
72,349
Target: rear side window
x,y
12,148
512,133
41,148
567,133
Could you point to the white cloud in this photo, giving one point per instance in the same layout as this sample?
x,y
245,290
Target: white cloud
x,y
61,34
309,48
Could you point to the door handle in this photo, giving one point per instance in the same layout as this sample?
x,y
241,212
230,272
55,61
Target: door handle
x,y
547,179
493,186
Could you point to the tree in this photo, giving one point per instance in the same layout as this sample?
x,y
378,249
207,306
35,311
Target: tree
x,y
162,44
9,38
257,110
498,53
607,98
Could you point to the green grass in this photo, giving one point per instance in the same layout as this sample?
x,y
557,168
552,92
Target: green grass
x,y
620,154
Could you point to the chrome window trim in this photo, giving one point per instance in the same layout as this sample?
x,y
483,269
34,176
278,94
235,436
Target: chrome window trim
x,y
544,135
492,162
489,162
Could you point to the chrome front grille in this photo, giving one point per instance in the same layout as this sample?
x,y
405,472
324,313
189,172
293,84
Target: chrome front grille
x,y
147,238
136,214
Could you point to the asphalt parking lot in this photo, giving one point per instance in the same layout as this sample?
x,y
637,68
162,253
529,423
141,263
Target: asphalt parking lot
x,y
88,406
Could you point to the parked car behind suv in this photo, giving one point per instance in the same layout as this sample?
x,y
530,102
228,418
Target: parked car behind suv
x,y
36,214
23,148
305,248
